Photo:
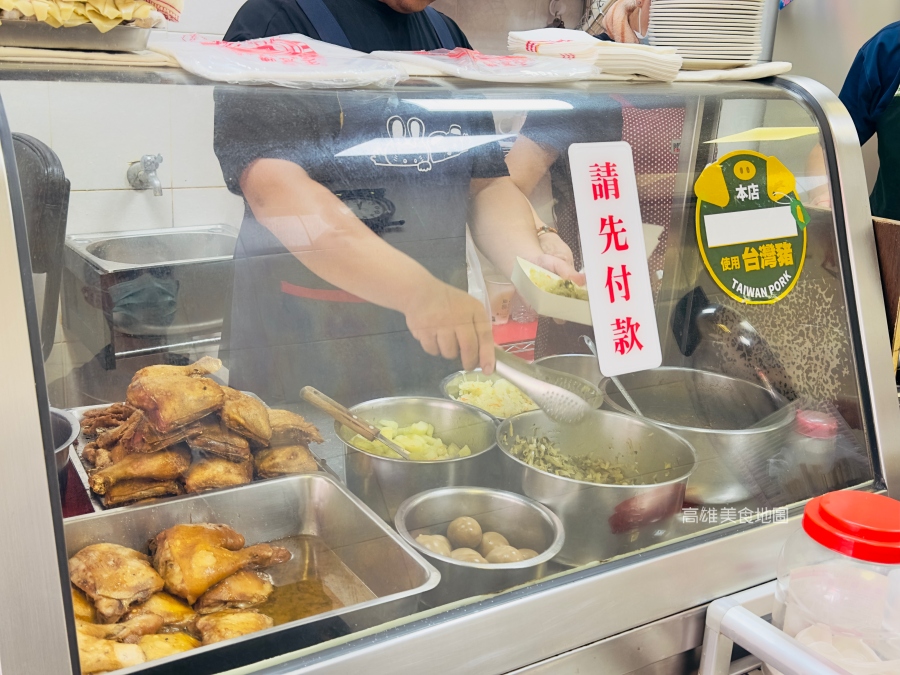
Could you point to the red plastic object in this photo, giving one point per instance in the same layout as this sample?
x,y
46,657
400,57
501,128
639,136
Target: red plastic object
x,y
815,424
512,332
860,525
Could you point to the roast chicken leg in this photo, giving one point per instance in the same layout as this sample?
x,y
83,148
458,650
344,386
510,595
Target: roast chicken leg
x,y
114,577
247,416
227,625
130,631
173,401
242,590
193,558
102,656
168,464
204,366
174,612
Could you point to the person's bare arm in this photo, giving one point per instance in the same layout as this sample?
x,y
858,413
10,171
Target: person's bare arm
x,y
325,235
528,163
503,227
622,18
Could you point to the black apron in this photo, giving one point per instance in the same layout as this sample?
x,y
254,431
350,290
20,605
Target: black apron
x,y
885,198
289,328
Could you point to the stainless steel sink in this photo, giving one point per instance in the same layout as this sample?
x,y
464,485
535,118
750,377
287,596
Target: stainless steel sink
x,y
112,252
135,293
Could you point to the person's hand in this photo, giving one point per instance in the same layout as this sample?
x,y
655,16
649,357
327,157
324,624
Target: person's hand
x,y
559,267
451,323
617,23
552,244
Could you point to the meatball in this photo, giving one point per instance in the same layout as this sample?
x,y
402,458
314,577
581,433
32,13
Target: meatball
x,y
467,555
489,541
464,532
504,554
435,543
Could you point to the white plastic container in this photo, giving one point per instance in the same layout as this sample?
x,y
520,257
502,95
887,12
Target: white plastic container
x,y
838,589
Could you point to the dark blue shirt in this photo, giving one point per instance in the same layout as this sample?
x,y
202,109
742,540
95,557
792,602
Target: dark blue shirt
x,y
873,80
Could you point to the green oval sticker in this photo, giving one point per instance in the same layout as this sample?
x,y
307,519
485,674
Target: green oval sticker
x,y
751,227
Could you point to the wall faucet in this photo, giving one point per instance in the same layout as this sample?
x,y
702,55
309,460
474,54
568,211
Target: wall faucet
x,y
142,175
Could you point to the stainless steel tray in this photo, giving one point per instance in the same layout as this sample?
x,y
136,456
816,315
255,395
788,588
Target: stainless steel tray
x,y
82,38
82,471
313,504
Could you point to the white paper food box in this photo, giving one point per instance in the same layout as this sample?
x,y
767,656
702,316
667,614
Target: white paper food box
x,y
548,304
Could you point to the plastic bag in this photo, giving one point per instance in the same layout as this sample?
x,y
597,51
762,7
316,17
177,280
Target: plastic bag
x,y
285,60
473,65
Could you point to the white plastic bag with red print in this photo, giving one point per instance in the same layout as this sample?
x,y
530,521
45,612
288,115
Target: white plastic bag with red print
x,y
473,65
286,60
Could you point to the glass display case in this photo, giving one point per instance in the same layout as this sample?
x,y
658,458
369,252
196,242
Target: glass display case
x,y
236,255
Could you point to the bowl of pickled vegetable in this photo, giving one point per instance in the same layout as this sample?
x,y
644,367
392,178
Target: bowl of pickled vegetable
x,y
615,481
449,443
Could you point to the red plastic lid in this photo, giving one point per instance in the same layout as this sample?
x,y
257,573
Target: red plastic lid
x,y
858,524
816,424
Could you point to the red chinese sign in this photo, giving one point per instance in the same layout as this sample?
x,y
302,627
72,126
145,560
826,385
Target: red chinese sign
x,y
615,257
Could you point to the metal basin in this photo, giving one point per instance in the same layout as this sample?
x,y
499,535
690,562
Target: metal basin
x,y
524,522
65,429
163,248
377,576
450,387
384,483
603,521
733,425
584,366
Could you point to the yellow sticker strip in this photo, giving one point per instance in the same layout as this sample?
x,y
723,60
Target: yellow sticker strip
x,y
767,134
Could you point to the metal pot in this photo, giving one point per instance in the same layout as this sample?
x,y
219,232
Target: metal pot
x,y
584,366
735,426
525,523
590,392
65,429
603,521
384,483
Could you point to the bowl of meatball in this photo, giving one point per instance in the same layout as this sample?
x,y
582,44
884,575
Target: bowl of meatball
x,y
482,541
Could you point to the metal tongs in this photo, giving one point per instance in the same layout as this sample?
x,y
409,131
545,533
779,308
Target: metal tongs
x,y
341,414
551,390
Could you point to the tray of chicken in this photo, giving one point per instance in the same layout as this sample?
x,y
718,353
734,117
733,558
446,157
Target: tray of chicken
x,y
178,431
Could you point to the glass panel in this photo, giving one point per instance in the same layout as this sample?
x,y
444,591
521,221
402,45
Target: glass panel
x,y
362,242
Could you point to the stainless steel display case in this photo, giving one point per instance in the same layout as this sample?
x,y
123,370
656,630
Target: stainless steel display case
x,y
611,608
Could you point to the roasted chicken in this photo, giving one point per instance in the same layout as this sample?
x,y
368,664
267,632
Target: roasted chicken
x,y
227,625
138,435
193,558
210,473
139,489
283,461
102,656
173,401
166,644
217,439
242,590
166,465
203,366
130,631
175,613
247,416
114,578
289,428
82,607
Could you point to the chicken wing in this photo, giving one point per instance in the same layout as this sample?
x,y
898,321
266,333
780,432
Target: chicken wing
x,y
166,644
175,613
289,428
211,473
94,422
246,415
217,439
165,465
173,401
130,631
283,461
204,366
193,558
82,607
114,578
227,625
102,656
242,590
139,489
